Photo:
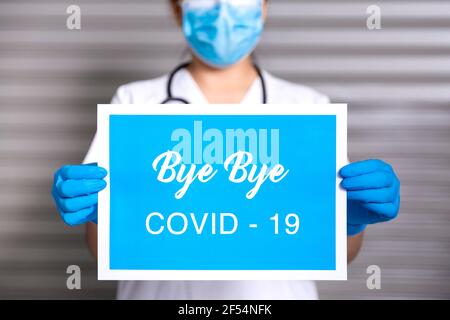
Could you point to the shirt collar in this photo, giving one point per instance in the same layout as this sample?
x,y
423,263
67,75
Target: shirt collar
x,y
184,86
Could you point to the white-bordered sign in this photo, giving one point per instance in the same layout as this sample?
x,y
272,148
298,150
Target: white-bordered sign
x,y
222,192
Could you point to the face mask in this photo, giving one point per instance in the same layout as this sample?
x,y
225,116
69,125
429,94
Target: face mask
x,y
222,32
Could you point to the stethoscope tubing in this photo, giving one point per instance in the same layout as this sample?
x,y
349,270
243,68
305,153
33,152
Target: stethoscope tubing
x,y
171,98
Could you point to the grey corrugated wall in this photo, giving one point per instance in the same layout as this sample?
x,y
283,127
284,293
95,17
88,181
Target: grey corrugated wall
x,y
396,81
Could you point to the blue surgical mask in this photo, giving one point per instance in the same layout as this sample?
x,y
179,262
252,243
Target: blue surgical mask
x,y
222,32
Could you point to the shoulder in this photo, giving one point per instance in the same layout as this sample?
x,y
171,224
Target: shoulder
x,y
145,91
282,91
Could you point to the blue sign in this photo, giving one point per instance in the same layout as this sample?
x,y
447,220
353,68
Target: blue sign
x,y
222,192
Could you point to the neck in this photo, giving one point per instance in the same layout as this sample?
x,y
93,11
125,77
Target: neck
x,y
228,85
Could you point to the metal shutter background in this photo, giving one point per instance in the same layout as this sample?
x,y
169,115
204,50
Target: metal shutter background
x,y
396,81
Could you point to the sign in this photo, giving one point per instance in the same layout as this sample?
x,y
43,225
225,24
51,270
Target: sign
x,y
222,192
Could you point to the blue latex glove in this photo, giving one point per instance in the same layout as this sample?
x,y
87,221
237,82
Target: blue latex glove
x,y
75,191
373,193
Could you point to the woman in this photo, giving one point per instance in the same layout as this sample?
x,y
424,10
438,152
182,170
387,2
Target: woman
x,y
221,36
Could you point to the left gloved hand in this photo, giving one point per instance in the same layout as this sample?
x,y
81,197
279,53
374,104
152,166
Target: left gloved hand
x,y
373,193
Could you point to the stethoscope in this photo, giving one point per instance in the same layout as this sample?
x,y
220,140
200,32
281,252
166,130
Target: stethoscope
x,y
171,98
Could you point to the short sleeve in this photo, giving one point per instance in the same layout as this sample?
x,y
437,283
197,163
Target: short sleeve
x,y
322,99
120,97
91,155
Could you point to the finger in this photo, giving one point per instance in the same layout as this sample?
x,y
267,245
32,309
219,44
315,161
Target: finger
x,y
82,172
75,188
57,198
380,212
374,180
363,167
80,217
78,203
381,195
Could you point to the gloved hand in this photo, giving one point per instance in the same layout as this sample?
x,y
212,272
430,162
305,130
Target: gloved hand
x,y
75,191
373,193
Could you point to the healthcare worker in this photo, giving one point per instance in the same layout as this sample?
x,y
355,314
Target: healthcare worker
x,y
221,35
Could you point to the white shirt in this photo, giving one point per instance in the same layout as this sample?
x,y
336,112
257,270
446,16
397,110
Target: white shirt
x,y
153,92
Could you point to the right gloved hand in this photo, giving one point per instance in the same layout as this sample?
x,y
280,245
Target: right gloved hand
x,y
75,191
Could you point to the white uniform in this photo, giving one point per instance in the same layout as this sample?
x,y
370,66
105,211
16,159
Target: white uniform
x,y
184,86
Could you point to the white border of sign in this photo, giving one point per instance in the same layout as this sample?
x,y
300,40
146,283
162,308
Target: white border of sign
x,y
104,271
